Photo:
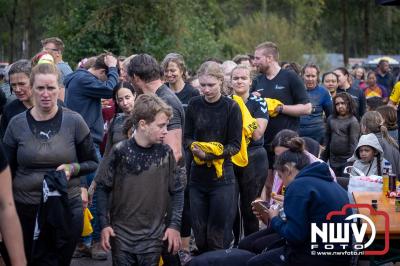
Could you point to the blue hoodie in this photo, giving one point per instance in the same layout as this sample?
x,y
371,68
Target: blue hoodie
x,y
84,92
308,199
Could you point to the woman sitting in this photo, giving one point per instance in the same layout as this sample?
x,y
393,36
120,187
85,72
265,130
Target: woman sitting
x,y
311,194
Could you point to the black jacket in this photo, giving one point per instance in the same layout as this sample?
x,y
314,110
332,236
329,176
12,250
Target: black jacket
x,y
53,222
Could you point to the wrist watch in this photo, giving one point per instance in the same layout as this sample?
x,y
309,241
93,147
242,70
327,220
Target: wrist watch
x,y
280,109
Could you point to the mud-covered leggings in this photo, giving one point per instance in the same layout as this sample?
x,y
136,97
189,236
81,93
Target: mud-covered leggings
x,y
212,207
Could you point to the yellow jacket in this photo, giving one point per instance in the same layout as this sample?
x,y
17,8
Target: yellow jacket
x,y
215,148
249,125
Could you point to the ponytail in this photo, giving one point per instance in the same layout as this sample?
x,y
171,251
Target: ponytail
x,y
373,122
294,156
385,135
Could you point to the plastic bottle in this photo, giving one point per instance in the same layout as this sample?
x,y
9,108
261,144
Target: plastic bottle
x,y
385,176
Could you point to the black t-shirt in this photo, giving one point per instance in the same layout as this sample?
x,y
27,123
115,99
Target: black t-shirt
x,y
186,94
3,158
286,87
45,129
10,110
258,109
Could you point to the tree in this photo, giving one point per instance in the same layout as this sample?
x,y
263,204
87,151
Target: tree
x,y
259,28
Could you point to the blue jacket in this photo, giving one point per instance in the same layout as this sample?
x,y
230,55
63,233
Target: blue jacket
x,y
308,199
84,92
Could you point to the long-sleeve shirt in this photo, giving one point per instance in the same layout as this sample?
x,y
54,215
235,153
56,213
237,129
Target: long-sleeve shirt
x,y
142,181
308,199
84,92
115,132
221,122
341,139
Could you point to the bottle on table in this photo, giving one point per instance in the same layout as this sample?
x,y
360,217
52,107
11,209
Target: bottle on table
x,y
387,169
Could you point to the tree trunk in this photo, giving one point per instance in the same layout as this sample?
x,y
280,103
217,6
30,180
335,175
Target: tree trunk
x,y
30,29
345,43
366,27
12,22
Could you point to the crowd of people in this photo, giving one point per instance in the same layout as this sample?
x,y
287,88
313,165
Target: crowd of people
x,y
161,157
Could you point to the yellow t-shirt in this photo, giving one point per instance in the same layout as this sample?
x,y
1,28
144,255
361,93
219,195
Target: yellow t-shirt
x,y
395,96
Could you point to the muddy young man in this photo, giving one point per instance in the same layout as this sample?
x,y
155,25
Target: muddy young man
x,y
140,173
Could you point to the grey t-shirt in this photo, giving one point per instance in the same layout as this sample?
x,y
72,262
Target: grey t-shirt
x,y
178,114
172,100
36,156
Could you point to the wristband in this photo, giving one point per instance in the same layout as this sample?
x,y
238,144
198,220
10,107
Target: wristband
x,y
77,168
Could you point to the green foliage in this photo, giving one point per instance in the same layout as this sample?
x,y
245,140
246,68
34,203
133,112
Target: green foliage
x,y
125,29
259,28
196,29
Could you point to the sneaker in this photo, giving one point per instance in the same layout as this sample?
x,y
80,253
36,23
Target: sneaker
x,y
184,257
97,252
81,251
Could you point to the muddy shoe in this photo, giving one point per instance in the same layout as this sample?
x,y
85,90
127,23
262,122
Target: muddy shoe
x,y
97,252
81,251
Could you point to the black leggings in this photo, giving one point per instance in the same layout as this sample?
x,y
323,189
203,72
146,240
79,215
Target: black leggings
x,y
251,180
212,207
186,224
27,216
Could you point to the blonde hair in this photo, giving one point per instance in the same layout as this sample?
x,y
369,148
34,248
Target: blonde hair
x,y
44,68
241,67
269,48
373,122
211,68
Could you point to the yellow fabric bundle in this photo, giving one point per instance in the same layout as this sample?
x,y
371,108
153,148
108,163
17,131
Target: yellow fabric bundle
x,y
215,148
87,225
272,104
249,125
